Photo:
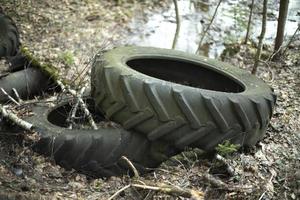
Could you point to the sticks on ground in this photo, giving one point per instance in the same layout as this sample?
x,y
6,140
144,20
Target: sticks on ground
x,y
135,171
163,188
14,118
81,103
75,108
9,97
229,168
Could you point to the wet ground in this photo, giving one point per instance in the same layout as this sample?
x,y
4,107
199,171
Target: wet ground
x,y
158,28
67,33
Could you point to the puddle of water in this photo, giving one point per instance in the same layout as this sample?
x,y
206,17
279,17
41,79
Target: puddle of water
x,y
228,27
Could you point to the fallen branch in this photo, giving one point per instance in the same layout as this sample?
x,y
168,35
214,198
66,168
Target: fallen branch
x,y
81,103
172,190
135,171
9,97
14,118
74,110
218,183
17,95
165,189
118,192
223,160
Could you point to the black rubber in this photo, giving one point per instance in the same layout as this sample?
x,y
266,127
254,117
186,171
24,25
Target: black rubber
x,y
9,36
96,153
184,99
28,83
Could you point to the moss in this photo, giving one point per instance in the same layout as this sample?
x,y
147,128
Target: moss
x,y
46,68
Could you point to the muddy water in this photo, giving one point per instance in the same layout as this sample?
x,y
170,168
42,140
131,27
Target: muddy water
x,y
158,28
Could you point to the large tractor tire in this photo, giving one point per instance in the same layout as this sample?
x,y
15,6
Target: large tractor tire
x,y
183,99
96,153
9,36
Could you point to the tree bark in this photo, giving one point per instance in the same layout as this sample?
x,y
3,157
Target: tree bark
x,y
283,10
208,27
249,22
261,37
177,24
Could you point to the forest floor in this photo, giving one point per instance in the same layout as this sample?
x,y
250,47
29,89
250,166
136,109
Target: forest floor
x,y
67,34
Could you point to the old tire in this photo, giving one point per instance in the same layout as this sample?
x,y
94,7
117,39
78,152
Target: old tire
x,y
184,99
9,36
96,153
28,83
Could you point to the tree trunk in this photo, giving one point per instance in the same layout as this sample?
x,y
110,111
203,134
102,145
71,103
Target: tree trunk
x,y
177,24
208,27
249,22
283,10
261,37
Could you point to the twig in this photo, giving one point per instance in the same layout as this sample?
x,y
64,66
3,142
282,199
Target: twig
x,y
9,97
135,171
172,190
81,103
249,22
208,27
263,194
215,182
291,40
25,125
178,24
118,192
229,168
74,110
261,37
17,95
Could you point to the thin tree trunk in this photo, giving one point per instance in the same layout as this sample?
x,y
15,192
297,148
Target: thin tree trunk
x,y
261,37
291,40
283,10
249,22
177,24
208,27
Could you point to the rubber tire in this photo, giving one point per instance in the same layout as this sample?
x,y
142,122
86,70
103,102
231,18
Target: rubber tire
x,y
28,82
9,36
96,153
179,114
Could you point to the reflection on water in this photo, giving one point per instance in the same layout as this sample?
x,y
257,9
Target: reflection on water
x,y
229,25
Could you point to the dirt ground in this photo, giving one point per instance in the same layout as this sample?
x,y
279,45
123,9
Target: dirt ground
x,y
67,34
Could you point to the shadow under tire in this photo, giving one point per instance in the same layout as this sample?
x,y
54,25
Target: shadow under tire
x,y
184,99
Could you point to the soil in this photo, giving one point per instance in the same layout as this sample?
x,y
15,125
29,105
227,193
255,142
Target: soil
x,y
68,33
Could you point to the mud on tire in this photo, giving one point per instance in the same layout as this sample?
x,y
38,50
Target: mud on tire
x,y
183,99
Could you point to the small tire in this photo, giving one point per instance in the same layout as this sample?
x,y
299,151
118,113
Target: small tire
x,y
96,153
184,99
9,36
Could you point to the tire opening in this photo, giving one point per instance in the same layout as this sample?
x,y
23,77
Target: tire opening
x,y
186,73
59,115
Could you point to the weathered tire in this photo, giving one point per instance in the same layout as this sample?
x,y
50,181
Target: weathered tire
x,y
96,153
28,83
142,88
9,36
